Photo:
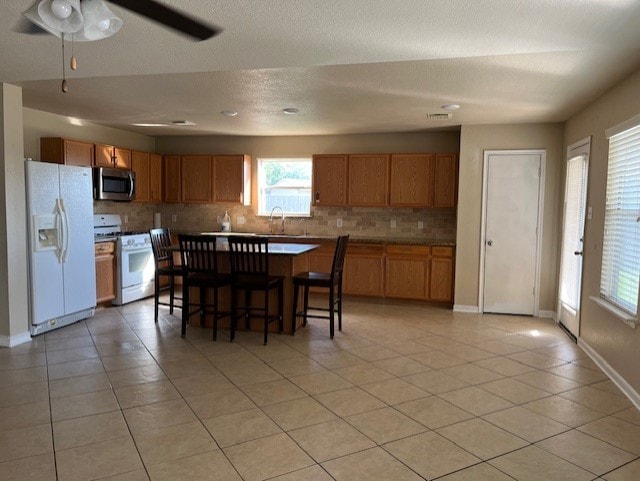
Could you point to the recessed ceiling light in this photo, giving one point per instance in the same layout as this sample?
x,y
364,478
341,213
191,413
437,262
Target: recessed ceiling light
x,y
183,123
291,110
229,113
150,125
451,107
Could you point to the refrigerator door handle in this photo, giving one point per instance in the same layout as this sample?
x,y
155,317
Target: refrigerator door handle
x,y
66,231
60,231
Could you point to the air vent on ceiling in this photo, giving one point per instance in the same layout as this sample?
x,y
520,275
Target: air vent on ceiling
x,y
183,123
439,116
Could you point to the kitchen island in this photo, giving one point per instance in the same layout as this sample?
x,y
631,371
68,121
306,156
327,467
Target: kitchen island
x,y
285,259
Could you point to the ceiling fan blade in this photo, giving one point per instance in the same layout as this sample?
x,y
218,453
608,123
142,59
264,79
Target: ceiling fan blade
x,y
170,17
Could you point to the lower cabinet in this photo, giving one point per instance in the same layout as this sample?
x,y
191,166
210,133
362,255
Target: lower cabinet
x,y
407,272
105,271
441,278
364,270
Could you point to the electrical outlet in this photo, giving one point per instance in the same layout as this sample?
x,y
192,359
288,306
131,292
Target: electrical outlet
x,y
240,219
218,220
126,219
420,224
174,217
393,224
339,222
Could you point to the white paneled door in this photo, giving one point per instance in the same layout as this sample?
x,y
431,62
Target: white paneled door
x,y
575,200
511,238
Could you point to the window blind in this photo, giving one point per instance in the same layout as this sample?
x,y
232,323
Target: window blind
x,y
620,277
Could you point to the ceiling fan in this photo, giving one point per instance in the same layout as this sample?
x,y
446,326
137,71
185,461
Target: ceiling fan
x,y
87,20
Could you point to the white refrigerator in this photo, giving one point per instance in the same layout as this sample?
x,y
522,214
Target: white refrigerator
x,y
62,273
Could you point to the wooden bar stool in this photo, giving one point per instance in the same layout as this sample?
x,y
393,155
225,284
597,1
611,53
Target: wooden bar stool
x,y
163,257
329,280
200,269
250,271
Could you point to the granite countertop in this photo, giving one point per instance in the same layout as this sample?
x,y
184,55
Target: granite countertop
x,y
352,239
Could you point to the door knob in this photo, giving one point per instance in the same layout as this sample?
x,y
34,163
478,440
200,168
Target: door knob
x,y
490,243
578,253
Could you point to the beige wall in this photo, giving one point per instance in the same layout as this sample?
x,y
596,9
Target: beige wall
x,y
474,140
14,314
44,124
617,343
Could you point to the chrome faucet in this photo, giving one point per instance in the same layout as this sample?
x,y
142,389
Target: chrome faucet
x,y
305,231
271,219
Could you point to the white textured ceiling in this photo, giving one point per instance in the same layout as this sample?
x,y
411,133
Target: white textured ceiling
x,y
349,66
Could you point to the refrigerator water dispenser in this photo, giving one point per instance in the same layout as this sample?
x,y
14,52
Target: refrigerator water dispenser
x,y
46,229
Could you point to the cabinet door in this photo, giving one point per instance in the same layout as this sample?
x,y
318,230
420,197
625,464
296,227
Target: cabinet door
x,y
406,278
368,180
229,176
122,158
105,290
172,179
329,180
78,153
445,180
104,156
411,180
364,270
155,178
441,282
196,179
140,163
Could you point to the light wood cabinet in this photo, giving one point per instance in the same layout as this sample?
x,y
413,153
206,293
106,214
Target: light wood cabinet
x,y
445,190
140,164
364,270
441,278
155,178
196,172
64,151
232,179
172,179
110,156
148,170
105,271
329,180
368,180
407,272
411,180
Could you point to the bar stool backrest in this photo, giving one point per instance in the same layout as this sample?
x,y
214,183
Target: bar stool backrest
x,y
160,243
198,253
338,258
249,257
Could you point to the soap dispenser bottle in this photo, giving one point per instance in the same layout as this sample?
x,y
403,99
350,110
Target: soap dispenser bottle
x,y
226,222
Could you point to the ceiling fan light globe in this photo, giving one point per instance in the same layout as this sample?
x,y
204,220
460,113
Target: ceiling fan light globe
x,y
49,12
61,9
99,21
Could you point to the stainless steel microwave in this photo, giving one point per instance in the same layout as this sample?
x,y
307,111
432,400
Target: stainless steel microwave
x,y
114,184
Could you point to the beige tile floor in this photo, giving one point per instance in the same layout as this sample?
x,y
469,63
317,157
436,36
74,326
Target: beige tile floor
x,y
406,392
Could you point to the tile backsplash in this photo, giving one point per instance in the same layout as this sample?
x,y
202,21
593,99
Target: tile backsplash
x,y
438,224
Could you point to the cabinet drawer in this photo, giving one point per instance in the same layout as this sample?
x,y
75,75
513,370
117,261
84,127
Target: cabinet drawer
x,y
102,248
407,250
365,249
441,251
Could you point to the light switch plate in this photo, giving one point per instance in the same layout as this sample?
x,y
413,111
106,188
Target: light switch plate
x,y
126,219
339,222
174,217
393,224
420,224
589,213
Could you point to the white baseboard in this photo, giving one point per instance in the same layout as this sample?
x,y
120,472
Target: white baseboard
x,y
10,341
548,315
462,308
616,378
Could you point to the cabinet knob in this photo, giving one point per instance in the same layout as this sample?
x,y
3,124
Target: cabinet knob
x,y
317,196
490,243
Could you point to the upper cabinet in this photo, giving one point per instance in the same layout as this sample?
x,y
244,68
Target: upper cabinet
x,y
148,170
445,191
329,180
368,180
110,156
232,179
172,181
196,172
65,151
411,180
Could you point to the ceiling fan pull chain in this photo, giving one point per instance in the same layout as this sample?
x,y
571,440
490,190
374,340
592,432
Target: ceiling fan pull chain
x,y
65,89
74,62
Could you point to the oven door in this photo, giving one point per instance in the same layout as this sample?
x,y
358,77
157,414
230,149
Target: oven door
x,y
137,267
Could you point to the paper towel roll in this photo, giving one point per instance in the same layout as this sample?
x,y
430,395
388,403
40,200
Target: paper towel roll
x,y
157,220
